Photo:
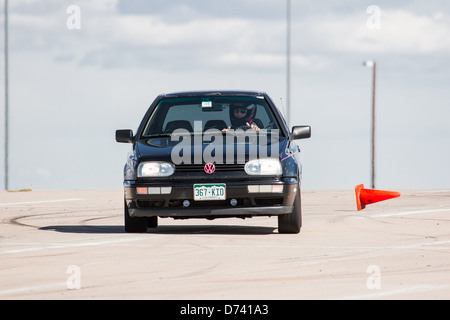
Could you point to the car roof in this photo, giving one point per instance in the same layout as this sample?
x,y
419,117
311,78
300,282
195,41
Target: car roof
x,y
211,93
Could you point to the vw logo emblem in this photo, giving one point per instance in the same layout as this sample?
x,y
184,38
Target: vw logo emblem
x,y
209,168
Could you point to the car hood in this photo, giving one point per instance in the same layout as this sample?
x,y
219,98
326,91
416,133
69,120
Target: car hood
x,y
198,150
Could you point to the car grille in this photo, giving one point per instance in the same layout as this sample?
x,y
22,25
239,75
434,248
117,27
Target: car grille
x,y
200,167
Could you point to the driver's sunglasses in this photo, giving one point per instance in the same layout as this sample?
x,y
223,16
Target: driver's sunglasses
x,y
240,110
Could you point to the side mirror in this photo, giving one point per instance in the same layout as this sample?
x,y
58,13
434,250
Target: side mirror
x,y
301,132
124,136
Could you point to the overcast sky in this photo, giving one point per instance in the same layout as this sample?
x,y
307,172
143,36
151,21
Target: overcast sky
x,y
80,69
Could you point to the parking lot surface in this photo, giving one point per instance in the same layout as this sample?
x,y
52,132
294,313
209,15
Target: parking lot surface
x,y
72,245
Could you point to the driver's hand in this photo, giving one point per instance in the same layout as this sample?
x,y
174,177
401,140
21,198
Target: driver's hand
x,y
253,126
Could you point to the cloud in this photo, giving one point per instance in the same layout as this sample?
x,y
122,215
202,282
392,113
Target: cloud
x,y
108,38
176,34
182,10
409,33
400,32
153,31
270,62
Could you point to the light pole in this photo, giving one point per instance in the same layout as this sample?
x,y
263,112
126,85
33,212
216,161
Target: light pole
x,y
373,64
288,61
6,97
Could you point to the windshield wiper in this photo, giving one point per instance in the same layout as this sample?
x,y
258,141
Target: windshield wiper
x,y
157,135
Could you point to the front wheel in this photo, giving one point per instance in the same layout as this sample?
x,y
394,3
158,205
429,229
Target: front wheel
x,y
292,222
134,224
152,222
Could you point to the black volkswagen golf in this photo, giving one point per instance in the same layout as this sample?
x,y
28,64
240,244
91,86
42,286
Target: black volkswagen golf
x,y
213,154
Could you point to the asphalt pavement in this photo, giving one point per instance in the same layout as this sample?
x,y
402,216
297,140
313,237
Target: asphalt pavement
x,y
71,244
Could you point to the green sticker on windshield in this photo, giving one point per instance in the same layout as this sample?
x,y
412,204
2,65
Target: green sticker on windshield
x,y
206,104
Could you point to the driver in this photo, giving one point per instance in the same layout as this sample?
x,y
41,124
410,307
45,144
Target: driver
x,y
242,116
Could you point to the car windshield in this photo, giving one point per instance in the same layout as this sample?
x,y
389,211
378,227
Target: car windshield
x,y
200,114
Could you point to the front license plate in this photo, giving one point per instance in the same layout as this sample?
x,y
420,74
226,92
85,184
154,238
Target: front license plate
x,y
209,192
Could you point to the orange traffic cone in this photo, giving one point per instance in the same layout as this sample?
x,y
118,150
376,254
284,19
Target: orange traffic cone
x,y
368,196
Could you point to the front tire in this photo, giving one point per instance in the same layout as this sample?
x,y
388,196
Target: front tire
x,y
292,222
134,224
152,222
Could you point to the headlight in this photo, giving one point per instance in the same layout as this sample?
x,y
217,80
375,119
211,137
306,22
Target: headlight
x,y
155,169
264,167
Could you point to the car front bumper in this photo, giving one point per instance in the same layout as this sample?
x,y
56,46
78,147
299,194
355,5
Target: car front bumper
x,y
246,204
